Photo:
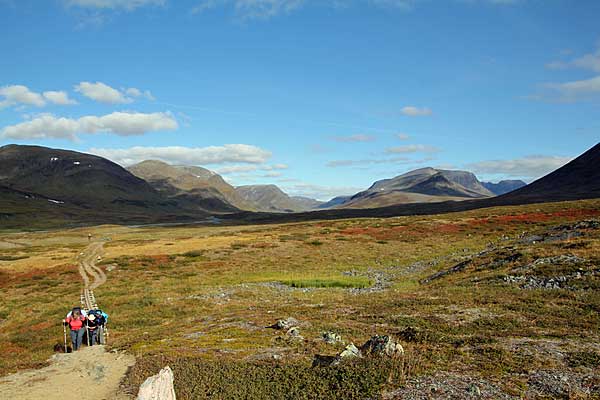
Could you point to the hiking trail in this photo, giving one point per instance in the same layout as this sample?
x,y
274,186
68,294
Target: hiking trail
x,y
90,372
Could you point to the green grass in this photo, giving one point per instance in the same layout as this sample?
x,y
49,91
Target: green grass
x,y
328,283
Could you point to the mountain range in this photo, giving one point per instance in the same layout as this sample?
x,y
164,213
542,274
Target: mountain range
x,y
40,184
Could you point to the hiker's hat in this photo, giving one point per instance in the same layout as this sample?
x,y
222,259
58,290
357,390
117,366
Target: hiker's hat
x,y
92,317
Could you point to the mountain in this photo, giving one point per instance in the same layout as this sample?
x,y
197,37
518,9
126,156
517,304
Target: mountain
x,y
425,185
503,186
306,202
271,198
77,187
336,201
579,179
195,187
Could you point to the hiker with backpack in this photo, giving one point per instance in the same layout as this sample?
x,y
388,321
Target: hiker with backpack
x,y
99,320
75,320
92,325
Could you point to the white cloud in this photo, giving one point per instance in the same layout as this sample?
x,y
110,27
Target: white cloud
x,y
119,123
319,192
412,148
58,97
178,155
135,92
354,138
412,111
114,4
590,61
101,92
272,175
236,169
252,9
575,89
526,167
402,136
19,94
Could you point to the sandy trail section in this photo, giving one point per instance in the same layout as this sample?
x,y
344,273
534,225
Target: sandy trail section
x,y
88,268
89,373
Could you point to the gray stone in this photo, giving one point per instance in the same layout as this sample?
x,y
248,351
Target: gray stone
x,y
158,387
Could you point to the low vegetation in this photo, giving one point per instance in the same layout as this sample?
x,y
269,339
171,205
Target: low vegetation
x,y
494,294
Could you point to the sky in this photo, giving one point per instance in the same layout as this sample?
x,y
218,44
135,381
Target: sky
x,y
321,98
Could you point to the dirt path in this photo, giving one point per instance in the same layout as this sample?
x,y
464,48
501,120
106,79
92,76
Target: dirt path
x,y
88,373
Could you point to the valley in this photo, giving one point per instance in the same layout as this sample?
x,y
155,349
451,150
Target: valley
x,y
501,301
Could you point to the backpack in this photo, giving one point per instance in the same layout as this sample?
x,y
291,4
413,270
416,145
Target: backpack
x,y
100,315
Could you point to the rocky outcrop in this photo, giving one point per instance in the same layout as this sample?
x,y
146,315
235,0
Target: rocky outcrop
x,y
158,387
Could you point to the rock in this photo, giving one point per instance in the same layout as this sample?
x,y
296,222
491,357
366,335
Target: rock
x,y
294,332
350,351
158,387
474,390
285,323
331,337
382,345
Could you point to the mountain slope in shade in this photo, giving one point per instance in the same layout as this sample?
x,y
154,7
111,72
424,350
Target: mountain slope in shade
x,y
270,198
336,201
41,185
503,186
195,186
73,177
579,179
425,185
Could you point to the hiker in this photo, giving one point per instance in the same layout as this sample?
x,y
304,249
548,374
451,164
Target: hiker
x,y
92,325
100,319
75,322
81,311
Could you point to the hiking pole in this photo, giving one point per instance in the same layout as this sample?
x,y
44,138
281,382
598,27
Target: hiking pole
x,y
87,328
65,335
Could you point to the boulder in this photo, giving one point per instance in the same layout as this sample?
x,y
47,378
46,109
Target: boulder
x,y
331,337
382,345
158,387
285,323
351,351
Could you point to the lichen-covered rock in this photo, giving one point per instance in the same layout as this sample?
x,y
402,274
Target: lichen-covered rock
x,y
331,337
382,345
351,351
285,323
158,387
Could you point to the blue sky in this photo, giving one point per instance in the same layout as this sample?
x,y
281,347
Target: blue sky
x,y
319,97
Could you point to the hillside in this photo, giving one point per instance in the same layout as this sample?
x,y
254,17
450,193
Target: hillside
x,y
195,186
270,198
43,184
579,179
425,185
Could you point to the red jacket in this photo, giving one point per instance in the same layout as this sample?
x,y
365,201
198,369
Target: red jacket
x,y
75,323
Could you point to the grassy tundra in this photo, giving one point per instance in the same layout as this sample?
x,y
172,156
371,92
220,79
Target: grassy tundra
x,y
199,298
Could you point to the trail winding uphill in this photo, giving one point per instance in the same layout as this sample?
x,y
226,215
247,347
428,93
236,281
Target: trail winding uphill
x,y
91,372
92,275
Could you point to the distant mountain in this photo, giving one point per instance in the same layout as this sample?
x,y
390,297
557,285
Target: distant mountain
x,y
577,180
271,198
77,187
196,187
306,202
336,201
425,185
503,186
